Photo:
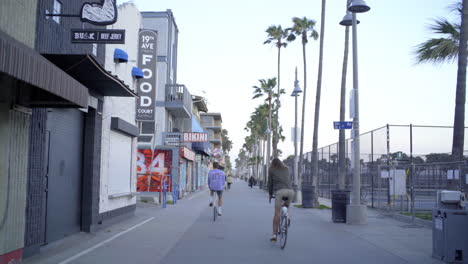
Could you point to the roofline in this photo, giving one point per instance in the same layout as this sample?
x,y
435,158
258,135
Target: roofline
x,y
167,13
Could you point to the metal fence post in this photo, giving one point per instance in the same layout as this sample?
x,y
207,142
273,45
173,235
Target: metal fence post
x,y
388,163
329,172
411,174
372,169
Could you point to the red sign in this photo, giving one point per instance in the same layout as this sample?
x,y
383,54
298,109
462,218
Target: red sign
x,y
195,137
187,154
153,169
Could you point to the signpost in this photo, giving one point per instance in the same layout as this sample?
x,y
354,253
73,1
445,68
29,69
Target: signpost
x,y
343,125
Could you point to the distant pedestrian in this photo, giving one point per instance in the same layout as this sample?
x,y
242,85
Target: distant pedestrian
x,y
216,181
229,181
252,181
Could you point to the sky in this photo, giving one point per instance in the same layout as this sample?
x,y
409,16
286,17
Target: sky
x,y
222,55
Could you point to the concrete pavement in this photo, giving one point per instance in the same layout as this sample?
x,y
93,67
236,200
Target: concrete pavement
x,y
186,233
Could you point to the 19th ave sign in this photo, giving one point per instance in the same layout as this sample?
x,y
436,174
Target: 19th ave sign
x,y
147,87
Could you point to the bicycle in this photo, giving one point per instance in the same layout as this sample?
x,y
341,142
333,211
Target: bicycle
x,y
283,223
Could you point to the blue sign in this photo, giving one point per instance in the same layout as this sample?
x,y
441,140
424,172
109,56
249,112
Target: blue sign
x,y
343,125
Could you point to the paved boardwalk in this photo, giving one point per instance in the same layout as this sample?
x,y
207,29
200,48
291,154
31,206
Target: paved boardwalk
x,y
185,233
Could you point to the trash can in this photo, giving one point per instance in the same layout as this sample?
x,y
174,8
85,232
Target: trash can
x,y
340,199
307,195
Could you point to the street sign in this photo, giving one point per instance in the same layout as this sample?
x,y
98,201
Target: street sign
x,y
343,125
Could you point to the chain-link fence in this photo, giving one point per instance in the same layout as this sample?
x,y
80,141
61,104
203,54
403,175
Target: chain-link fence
x,y
418,156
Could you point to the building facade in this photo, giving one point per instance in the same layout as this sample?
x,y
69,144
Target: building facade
x,y
66,150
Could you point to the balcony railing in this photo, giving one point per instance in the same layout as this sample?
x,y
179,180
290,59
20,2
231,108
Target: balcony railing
x,y
178,100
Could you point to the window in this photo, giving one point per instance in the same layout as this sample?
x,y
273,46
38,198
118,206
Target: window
x,y
95,46
57,10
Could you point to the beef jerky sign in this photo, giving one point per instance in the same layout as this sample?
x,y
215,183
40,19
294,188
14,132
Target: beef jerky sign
x,y
147,87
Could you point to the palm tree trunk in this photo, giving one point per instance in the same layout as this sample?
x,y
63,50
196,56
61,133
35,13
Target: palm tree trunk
x,y
301,152
276,127
341,144
315,173
460,98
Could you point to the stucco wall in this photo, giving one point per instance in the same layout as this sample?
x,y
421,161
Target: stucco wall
x,y
123,108
18,19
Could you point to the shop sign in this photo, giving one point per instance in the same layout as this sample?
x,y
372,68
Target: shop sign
x,y
187,154
107,36
195,137
145,107
100,14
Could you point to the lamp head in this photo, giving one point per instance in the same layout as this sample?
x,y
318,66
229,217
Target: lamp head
x,y
358,6
348,20
297,90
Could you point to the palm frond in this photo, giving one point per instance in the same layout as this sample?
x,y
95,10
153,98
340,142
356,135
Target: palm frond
x,y
443,26
436,51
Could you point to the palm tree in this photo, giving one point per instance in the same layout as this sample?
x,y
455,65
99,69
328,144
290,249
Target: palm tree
x,y
315,172
342,139
451,44
266,88
304,28
276,35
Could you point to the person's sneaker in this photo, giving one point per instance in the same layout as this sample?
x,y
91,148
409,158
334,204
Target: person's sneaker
x,y
219,212
273,238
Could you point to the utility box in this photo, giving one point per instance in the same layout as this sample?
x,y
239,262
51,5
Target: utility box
x,y
450,235
450,228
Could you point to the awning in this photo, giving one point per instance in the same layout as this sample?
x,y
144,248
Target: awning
x,y
201,148
86,70
49,85
137,73
120,55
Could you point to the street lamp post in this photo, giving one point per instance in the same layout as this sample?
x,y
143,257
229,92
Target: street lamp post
x,y
356,212
298,195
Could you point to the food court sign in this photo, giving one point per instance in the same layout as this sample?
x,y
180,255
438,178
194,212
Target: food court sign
x,y
147,86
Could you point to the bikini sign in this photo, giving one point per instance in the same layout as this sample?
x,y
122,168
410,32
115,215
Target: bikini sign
x,y
147,85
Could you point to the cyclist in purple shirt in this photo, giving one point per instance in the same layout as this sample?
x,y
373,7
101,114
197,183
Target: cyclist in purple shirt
x,y
216,181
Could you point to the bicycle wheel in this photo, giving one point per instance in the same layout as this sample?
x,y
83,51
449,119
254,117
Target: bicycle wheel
x,y
283,231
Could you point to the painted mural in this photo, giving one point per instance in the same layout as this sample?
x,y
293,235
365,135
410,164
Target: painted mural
x,y
153,169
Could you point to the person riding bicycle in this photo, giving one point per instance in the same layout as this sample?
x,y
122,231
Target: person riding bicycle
x,y
279,184
216,181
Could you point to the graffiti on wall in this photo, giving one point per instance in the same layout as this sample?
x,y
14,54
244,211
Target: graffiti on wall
x,y
152,169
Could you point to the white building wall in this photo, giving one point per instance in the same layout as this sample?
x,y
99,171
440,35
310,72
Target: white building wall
x,y
118,153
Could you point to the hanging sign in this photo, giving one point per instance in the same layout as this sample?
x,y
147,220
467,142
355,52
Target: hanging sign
x,y
100,14
107,36
147,85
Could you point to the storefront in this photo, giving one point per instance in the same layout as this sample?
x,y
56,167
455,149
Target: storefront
x,y
187,167
28,84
